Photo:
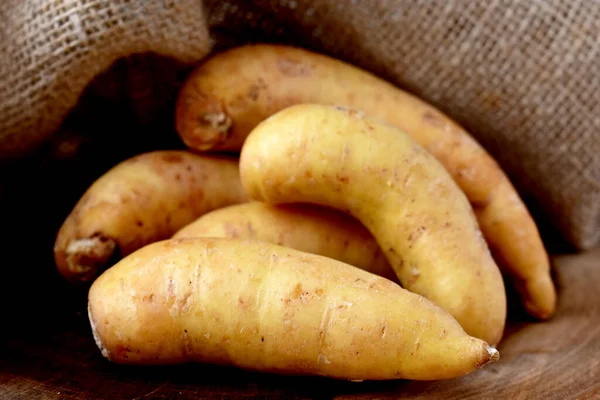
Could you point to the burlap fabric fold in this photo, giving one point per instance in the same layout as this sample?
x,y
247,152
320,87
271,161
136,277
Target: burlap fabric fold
x,y
522,76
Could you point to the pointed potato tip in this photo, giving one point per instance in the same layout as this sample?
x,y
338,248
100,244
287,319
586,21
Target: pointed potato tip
x,y
493,356
86,257
540,297
96,335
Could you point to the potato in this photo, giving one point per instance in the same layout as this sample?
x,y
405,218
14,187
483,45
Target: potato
x,y
228,95
142,200
303,227
403,195
261,306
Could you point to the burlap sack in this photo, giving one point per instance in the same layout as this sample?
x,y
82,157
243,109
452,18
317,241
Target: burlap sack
x,y
523,76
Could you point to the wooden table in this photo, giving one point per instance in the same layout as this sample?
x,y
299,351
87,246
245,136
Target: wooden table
x,y
47,351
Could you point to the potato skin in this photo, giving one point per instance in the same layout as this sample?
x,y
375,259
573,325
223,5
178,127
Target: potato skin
x,y
305,227
228,95
402,194
265,307
139,201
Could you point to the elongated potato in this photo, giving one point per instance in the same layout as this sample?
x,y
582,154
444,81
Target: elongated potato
x,y
142,200
402,194
304,227
226,97
261,306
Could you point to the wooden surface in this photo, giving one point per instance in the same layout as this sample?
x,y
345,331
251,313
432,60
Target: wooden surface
x,y
47,352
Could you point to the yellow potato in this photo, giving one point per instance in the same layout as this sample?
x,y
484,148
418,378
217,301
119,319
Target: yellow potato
x,y
304,227
403,195
142,200
228,95
261,306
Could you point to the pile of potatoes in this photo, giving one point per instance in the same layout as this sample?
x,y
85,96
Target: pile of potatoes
x,y
322,222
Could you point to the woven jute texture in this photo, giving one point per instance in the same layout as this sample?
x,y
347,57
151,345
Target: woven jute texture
x,y
523,76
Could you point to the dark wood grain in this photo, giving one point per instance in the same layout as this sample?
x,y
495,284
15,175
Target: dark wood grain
x,y
47,352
